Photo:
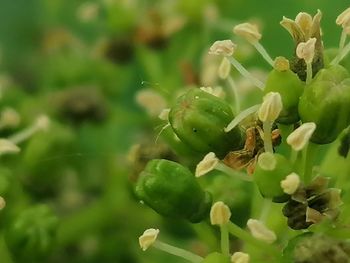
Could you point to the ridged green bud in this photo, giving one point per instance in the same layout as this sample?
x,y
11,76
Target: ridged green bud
x,y
325,102
199,118
216,258
270,171
172,190
30,235
290,87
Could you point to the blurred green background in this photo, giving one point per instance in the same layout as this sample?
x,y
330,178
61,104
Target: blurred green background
x,y
87,64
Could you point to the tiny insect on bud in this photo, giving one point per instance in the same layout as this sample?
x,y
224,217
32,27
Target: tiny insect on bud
x,y
306,50
271,107
222,47
219,214
291,183
224,68
301,136
207,164
148,238
240,257
248,31
260,231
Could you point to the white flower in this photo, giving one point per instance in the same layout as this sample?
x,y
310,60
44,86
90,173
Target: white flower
x,y
260,231
148,238
222,47
271,107
207,164
306,50
248,31
219,214
240,257
42,122
291,183
9,118
344,18
301,136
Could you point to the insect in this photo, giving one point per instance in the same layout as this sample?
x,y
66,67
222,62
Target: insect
x,y
253,147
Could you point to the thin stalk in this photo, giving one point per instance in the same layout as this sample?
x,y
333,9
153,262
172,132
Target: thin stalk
x,y
267,126
263,53
178,252
245,73
225,241
246,237
342,40
308,72
24,135
342,53
293,156
227,170
241,116
5,254
234,94
309,158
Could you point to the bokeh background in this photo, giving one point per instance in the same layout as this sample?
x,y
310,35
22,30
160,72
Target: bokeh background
x,y
98,69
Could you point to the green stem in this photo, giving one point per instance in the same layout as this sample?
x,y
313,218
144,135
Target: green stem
x,y
225,241
227,170
342,53
178,252
342,40
309,158
266,207
246,237
234,94
5,254
308,72
267,125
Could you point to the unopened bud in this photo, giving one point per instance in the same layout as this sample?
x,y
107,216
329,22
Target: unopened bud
x,y
301,136
260,231
220,214
248,31
291,183
43,122
9,118
306,50
240,257
207,164
222,47
148,238
271,107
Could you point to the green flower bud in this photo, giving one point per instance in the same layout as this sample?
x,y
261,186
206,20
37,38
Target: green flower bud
x,y
270,171
199,118
326,103
290,87
172,190
30,235
216,258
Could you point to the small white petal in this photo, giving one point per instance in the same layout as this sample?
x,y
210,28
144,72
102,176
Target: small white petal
x,y
10,118
240,257
207,164
224,68
248,31
219,214
148,238
151,101
271,107
260,231
7,146
222,47
301,136
164,115
344,18
43,122
306,50
291,183
2,203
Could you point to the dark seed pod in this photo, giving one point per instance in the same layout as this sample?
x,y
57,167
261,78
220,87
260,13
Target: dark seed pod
x,y
172,190
199,118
